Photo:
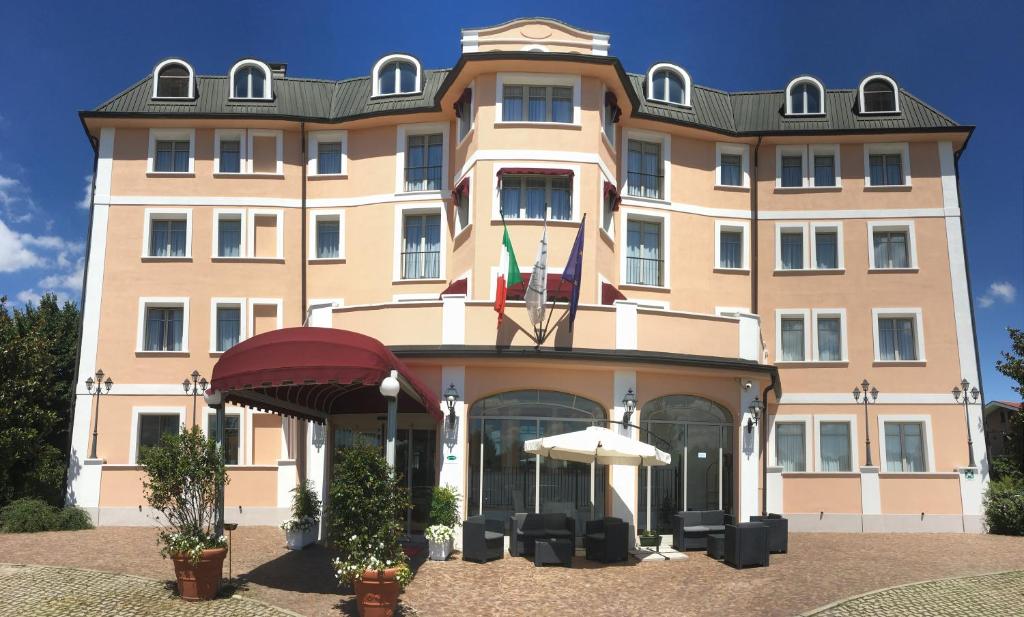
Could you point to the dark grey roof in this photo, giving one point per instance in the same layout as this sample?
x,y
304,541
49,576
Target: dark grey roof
x,y
741,113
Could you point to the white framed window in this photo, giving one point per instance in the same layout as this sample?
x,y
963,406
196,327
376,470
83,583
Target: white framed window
x,y
790,167
644,262
892,245
251,79
174,79
536,197
610,113
807,166
791,246
732,165
162,325
233,433
422,157
886,165
907,443
899,334
792,339
228,233
835,441
265,233
646,165
171,151
878,94
463,214
610,200
789,442
397,74
167,233
227,323
229,151
823,166
327,235
419,244
805,96
731,245
537,98
826,245
265,314
829,327
266,152
149,424
328,154
668,83
465,112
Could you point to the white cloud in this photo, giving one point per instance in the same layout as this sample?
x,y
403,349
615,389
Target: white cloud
x,y
16,201
86,199
1003,291
22,250
66,280
28,295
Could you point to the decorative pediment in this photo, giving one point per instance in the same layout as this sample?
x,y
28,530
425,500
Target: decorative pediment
x,y
535,34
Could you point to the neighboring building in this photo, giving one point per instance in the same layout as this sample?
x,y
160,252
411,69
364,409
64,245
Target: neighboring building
x,y
782,245
999,429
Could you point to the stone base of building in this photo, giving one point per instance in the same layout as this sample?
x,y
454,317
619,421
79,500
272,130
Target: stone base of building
x,y
885,523
146,517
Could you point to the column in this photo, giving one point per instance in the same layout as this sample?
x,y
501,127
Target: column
x,y
316,459
748,457
455,440
774,486
870,500
622,479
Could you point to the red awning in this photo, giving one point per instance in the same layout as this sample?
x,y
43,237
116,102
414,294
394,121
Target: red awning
x,y
456,288
466,97
614,191
533,171
312,373
558,290
610,293
460,188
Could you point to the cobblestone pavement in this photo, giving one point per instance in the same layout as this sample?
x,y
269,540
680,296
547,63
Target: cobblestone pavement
x,y
47,591
993,595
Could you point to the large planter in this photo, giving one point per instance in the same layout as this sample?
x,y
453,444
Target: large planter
x,y
298,539
650,541
377,593
440,551
199,581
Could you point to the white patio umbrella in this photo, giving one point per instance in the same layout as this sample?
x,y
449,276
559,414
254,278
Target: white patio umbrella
x,y
597,444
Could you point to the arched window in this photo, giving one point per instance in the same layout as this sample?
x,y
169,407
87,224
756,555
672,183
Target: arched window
x,y
879,94
396,74
504,480
699,435
668,83
805,96
250,79
173,79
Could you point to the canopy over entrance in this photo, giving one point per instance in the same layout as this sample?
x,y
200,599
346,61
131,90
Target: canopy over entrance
x,y
312,373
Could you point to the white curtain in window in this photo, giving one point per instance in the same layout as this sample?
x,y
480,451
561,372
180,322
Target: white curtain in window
x,y
830,346
228,327
835,446
793,339
512,104
891,249
790,453
730,251
896,339
824,170
792,251
730,169
535,195
561,104
510,196
826,251
328,158
538,104
792,171
561,200
230,156
904,447
229,237
327,239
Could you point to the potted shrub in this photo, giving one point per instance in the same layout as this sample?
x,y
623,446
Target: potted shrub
x,y
367,514
444,516
650,538
301,530
182,475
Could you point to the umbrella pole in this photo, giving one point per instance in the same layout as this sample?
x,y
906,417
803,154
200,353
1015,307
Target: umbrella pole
x,y
649,497
593,466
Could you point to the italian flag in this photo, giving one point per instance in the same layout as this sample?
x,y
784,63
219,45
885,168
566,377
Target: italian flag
x,y
508,274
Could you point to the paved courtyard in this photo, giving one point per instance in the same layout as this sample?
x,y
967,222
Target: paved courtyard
x,y
819,569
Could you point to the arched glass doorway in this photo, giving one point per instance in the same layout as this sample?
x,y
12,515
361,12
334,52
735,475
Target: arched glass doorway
x,y
504,480
699,435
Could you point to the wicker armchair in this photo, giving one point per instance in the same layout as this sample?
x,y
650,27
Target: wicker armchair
x,y
606,540
483,539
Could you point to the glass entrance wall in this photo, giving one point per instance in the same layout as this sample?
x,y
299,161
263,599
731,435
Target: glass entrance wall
x,y
503,479
699,435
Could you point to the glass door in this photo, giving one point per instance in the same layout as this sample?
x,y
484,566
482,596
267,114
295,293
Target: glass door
x,y
702,467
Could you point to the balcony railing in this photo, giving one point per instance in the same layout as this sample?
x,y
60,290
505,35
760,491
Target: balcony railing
x,y
644,271
421,265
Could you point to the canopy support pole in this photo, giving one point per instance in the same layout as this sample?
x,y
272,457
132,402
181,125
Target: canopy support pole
x,y
649,498
221,448
392,429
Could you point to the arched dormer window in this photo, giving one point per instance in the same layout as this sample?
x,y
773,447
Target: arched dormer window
x,y
668,83
251,79
396,74
805,96
174,79
879,94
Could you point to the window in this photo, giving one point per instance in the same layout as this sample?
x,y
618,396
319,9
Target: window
x,y
230,156
610,116
896,339
826,247
904,447
424,157
645,172
328,154
807,166
834,445
328,158
536,197
396,74
886,165
609,206
731,165
530,103
167,237
164,328
172,156
328,234
792,171
464,112
229,327
792,336
644,259
790,446
173,79
830,339
792,250
265,233
890,248
878,94
731,252
824,170
462,211
232,435
153,426
730,169
228,233
421,246
668,83
250,79
804,97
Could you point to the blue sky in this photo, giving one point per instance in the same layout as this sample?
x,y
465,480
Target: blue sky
x,y
965,58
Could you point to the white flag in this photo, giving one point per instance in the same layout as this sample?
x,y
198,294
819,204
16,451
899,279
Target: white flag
x,y
537,292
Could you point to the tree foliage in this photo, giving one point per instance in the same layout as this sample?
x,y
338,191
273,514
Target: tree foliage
x,y
37,363
1012,365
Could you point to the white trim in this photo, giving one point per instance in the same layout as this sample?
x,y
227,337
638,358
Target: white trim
x,y
243,144
879,213
268,87
830,313
399,225
666,245
821,96
167,214
836,227
538,79
905,226
666,162
806,420
401,144
929,441
191,80
254,302
156,135
901,148
406,298
781,228
215,303
860,94
743,150
609,140
575,197
535,155
278,136
219,213
731,311
244,451
314,139
314,215
251,232
744,228
678,70
916,315
845,398
398,82
165,302
850,419
789,313
786,150
133,437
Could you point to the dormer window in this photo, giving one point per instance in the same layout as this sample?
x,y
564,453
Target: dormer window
x,y
396,74
173,79
250,79
879,95
805,96
668,83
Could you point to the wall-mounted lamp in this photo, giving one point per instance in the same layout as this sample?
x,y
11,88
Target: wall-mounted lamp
x,y
450,396
629,404
755,410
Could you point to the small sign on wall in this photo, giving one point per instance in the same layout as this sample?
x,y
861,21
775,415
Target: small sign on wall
x,y
451,457
702,455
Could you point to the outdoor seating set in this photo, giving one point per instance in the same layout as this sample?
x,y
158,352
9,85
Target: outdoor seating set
x,y
738,544
549,538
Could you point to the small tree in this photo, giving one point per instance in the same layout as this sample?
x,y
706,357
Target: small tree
x,y
444,506
1012,365
183,473
305,508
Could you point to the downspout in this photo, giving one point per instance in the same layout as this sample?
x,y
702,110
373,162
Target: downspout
x,y
753,230
301,427
764,444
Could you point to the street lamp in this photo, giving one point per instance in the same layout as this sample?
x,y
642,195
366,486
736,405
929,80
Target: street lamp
x,y
973,398
755,409
196,387
102,387
629,404
870,396
450,396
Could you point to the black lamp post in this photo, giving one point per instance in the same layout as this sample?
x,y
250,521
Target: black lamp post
x,y
870,396
755,409
196,387
451,395
102,387
629,404
973,398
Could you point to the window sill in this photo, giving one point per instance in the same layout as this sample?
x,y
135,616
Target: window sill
x,y
831,363
639,287
821,474
156,259
918,474
221,174
341,176
431,193
810,271
899,363
143,353
808,189
326,260
532,125
607,235
386,95
732,187
732,270
892,270
410,281
895,188
467,136
265,260
524,221
170,174
645,200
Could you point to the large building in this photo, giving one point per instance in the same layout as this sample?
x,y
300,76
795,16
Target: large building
x,y
772,248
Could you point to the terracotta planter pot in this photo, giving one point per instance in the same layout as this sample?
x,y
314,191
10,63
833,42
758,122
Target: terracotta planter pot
x,y
377,593
202,580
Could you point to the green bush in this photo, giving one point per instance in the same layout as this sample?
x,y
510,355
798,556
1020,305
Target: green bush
x,y
444,506
73,519
28,515
1004,507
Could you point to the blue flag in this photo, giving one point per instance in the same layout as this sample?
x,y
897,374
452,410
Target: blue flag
x,y
573,272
